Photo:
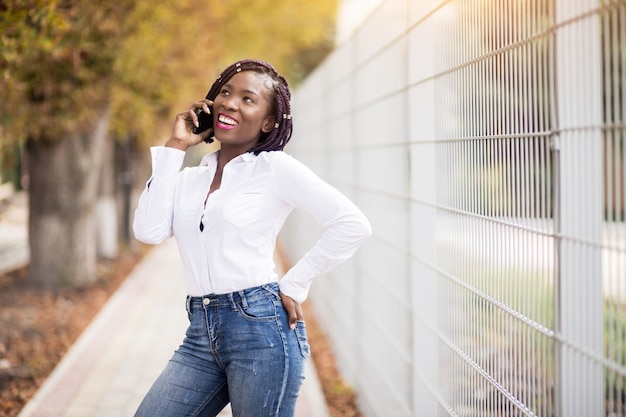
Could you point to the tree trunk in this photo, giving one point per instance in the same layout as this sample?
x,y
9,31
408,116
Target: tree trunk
x,y
126,180
62,199
107,215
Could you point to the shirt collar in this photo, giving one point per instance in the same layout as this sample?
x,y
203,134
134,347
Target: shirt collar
x,y
212,157
248,156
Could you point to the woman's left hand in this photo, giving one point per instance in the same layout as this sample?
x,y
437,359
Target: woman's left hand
x,y
293,309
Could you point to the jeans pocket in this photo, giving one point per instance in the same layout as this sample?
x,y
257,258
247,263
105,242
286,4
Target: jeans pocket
x,y
259,309
303,341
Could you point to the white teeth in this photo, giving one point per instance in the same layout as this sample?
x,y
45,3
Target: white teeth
x,y
227,120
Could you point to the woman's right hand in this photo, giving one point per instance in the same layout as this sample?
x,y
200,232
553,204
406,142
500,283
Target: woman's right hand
x,y
182,136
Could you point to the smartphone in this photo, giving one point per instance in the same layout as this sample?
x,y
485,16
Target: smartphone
x,y
205,121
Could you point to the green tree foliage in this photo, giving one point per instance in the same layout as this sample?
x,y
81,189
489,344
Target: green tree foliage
x,y
178,48
56,58
159,63
62,62
293,35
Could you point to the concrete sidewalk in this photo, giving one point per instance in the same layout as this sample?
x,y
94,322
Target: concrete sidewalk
x,y
112,365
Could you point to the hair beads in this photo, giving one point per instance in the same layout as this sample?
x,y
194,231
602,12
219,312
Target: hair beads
x,y
280,98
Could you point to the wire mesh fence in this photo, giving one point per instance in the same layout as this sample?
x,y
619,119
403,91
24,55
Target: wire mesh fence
x,y
485,141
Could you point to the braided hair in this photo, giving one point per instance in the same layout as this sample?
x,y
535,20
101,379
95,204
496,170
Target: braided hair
x,y
280,97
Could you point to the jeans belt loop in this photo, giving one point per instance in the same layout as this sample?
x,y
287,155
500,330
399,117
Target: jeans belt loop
x,y
188,304
233,303
244,300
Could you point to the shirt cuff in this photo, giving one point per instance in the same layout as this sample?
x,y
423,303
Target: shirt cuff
x,y
297,281
166,163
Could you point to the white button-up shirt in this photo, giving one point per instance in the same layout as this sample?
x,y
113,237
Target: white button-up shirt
x,y
241,220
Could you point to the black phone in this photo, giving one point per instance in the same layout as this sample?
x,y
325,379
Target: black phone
x,y
205,121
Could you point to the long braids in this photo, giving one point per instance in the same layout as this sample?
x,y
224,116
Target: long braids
x,y
277,138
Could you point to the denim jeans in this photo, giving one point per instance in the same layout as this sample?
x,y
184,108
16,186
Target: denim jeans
x,y
239,349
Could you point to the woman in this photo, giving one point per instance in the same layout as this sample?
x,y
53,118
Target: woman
x,y
246,343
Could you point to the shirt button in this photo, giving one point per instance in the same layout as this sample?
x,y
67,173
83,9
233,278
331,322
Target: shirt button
x,y
206,301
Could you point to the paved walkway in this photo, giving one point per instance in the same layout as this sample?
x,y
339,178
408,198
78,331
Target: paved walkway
x,y
114,362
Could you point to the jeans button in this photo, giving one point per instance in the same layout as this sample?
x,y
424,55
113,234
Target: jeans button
x,y
206,301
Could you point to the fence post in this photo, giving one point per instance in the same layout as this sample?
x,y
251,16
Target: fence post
x,y
423,153
579,217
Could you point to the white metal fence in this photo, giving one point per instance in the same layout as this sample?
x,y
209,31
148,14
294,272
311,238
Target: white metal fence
x,y
485,141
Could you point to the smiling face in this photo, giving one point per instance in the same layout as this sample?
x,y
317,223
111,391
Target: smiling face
x,y
241,110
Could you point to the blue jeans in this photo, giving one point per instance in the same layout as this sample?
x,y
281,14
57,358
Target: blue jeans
x,y
238,349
